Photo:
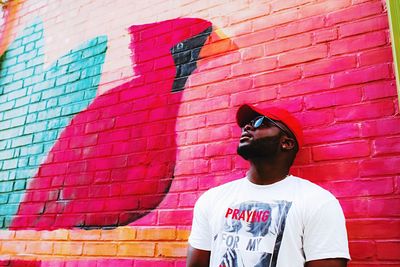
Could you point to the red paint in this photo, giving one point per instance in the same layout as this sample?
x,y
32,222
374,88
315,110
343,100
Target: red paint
x,y
133,136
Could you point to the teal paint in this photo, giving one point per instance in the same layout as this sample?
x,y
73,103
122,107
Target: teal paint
x,y
36,104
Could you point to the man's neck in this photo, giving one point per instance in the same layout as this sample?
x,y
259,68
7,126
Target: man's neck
x,y
265,173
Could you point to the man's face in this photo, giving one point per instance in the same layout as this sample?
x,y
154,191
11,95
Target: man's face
x,y
263,142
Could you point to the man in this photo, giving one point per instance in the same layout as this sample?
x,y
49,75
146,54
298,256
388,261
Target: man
x,y
269,218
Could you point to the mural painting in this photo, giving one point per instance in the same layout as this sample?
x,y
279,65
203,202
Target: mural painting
x,y
115,118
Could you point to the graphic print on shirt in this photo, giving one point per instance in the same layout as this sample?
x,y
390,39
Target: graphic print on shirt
x,y
252,234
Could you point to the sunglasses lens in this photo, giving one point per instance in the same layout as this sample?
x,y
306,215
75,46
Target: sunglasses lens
x,y
258,122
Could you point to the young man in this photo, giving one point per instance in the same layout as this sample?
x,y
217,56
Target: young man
x,y
269,218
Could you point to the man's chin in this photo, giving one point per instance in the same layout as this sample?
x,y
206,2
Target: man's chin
x,y
243,150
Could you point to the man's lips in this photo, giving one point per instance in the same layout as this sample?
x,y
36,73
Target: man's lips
x,y
245,136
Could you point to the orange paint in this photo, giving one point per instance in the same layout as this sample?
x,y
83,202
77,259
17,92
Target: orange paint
x,y
10,11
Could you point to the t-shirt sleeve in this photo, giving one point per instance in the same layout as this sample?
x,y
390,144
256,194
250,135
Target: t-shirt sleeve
x,y
200,235
325,234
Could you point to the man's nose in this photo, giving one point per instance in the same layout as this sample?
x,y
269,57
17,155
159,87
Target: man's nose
x,y
248,127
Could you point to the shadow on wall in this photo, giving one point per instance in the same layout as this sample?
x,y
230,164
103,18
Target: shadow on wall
x,y
114,161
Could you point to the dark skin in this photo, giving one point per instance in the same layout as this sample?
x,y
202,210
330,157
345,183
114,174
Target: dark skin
x,y
264,171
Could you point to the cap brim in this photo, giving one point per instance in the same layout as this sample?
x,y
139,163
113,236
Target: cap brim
x,y
245,114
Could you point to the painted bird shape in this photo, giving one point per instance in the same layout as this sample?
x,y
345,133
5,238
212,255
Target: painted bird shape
x,y
114,162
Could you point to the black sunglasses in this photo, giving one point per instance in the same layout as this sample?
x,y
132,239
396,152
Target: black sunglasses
x,y
265,121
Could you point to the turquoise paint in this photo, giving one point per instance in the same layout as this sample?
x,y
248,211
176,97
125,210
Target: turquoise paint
x,y
36,104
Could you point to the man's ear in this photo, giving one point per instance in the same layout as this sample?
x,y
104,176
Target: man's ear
x,y
287,143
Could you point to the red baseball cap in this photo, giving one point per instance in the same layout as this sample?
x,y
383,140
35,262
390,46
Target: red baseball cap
x,y
247,112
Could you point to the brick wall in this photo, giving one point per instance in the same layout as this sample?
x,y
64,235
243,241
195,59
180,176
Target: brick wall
x,y
116,116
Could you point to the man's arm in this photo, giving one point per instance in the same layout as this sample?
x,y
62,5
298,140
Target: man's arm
x,y
339,262
197,257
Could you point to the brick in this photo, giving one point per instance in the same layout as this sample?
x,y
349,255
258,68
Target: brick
x,y
220,117
31,208
114,262
305,86
358,43
171,249
325,35
362,188
99,249
220,61
388,250
380,127
302,55
41,248
378,90
221,148
220,164
7,234
99,126
217,47
366,74
175,217
253,96
354,208
376,56
373,229
379,166
183,233
281,5
211,76
362,250
338,132
84,235
205,105
275,19
353,13
187,200
253,52
386,146
300,26
255,10
27,235
277,77
331,65
216,133
365,111
136,249
287,44
341,151
387,207
13,247
155,262
159,233
323,8
60,234
330,171
119,233
191,152
334,98
82,141
314,118
254,66
367,25
183,184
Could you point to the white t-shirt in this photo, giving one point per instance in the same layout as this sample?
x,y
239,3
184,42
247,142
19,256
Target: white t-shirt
x,y
284,224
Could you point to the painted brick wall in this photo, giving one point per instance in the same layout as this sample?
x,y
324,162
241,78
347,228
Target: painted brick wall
x,y
116,116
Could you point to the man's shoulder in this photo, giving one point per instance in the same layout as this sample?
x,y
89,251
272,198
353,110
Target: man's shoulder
x,y
226,186
311,190
220,189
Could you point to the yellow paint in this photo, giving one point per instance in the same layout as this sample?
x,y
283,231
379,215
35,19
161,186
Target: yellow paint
x,y
394,22
164,242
